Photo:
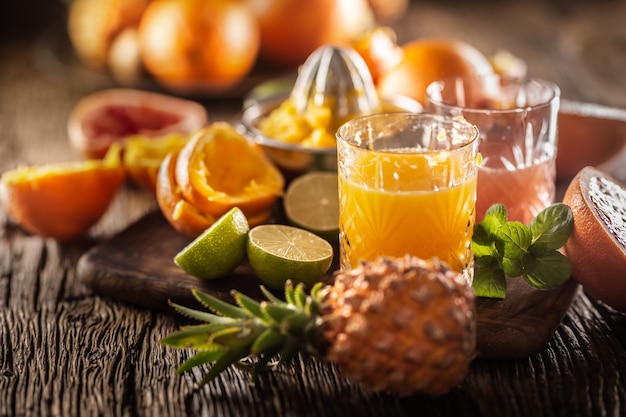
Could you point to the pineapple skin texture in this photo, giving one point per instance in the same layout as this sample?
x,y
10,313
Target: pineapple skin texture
x,y
402,325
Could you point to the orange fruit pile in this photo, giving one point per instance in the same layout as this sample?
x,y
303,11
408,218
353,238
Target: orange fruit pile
x,y
62,201
196,46
597,246
407,69
218,169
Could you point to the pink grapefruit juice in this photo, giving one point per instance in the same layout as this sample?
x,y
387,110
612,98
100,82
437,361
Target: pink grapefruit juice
x,y
525,189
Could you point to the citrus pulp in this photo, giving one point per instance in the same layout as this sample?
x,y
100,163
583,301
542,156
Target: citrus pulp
x,y
312,202
278,253
62,201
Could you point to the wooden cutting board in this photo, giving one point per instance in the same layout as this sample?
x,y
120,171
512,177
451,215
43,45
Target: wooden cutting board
x,y
136,266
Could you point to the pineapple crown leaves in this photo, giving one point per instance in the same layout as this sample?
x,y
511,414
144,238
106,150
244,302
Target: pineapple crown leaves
x,y
259,330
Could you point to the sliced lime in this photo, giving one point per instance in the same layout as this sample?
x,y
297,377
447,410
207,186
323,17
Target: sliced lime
x,y
278,252
311,202
219,249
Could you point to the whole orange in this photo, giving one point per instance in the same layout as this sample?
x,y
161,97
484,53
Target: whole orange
x,y
93,26
379,49
197,44
291,30
430,59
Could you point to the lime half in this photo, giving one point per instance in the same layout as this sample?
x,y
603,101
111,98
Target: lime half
x,y
311,202
278,252
219,249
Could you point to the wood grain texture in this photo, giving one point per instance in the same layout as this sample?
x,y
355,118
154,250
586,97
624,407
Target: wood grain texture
x,y
65,351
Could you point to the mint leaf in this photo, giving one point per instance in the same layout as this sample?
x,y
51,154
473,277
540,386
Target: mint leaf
x,y
548,271
551,228
489,279
485,241
508,248
516,238
496,214
484,247
512,266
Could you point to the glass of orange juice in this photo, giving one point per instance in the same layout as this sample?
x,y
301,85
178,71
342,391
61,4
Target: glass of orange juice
x,y
517,121
407,185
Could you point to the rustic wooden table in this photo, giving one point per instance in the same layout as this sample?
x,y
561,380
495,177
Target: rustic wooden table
x,y
65,351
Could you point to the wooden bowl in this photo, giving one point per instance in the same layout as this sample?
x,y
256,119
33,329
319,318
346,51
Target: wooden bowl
x,y
590,134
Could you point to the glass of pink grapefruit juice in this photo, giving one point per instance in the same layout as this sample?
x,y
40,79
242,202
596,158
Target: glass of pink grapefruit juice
x,y
407,185
517,123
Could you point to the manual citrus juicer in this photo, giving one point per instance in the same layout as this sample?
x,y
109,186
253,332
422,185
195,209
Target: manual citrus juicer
x,y
333,77
337,78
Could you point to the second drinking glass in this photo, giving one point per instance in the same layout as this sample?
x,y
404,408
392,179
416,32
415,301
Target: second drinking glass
x,y
517,124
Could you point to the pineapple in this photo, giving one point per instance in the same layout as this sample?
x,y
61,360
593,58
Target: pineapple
x,y
398,325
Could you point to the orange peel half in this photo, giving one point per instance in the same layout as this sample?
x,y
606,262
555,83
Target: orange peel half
x,y
62,201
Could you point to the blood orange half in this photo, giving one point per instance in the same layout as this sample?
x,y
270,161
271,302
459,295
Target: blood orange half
x,y
112,115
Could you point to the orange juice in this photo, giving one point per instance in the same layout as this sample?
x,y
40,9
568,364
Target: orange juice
x,y
418,213
407,186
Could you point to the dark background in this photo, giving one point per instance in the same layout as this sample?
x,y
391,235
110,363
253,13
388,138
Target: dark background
x,y
26,18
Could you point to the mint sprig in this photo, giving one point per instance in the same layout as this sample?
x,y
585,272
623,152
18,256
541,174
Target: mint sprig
x,y
509,248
